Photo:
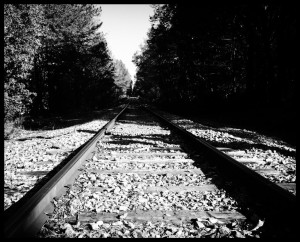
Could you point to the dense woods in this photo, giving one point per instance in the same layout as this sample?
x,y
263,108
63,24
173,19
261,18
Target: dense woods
x,y
56,60
219,54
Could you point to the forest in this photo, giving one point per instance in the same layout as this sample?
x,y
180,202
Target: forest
x,y
56,61
215,57
219,55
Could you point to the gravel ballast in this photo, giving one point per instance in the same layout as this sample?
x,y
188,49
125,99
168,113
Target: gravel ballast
x,y
100,189
97,191
267,152
32,154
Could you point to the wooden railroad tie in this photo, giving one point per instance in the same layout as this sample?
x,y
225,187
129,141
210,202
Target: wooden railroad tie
x,y
172,171
146,171
177,148
178,216
142,154
157,189
148,161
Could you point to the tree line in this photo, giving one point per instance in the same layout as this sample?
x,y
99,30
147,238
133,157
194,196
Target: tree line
x,y
56,60
241,54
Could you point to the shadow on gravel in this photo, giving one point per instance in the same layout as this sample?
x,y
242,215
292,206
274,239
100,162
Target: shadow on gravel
x,y
251,203
254,139
244,145
277,122
252,208
60,122
87,131
133,118
138,139
140,122
33,137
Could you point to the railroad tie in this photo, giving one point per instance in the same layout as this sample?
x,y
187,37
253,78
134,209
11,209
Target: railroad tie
x,y
161,161
178,216
141,154
157,189
146,171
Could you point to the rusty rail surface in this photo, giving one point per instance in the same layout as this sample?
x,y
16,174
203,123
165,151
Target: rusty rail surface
x,y
26,217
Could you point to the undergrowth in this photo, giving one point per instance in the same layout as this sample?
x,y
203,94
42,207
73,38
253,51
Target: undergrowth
x,y
12,129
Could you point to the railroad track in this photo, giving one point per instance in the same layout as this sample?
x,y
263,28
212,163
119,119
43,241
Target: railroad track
x,y
271,158
140,179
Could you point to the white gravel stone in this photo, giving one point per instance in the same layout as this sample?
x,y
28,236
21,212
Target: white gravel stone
x,y
39,151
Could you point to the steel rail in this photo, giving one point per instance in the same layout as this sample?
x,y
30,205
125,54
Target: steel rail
x,y
267,191
26,217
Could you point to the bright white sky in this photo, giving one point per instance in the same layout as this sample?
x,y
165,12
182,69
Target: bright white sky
x,y
125,27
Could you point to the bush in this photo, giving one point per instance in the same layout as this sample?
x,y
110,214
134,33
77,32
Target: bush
x,y
16,100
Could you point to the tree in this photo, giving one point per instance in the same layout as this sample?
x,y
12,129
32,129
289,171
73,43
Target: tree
x,y
218,53
22,28
122,77
60,63
56,59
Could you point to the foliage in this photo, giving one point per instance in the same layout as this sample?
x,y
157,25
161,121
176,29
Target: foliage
x,y
218,53
21,29
55,59
122,77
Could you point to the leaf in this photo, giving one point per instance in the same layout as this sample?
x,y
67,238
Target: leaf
x,y
99,209
142,200
179,232
123,208
118,223
259,224
214,220
123,216
69,230
238,234
131,225
200,225
93,226
225,230
99,223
